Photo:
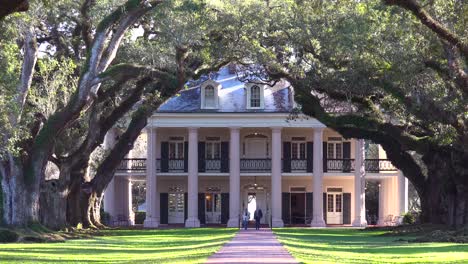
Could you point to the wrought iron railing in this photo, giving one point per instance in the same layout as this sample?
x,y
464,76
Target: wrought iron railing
x,y
377,165
132,165
176,164
212,165
255,165
298,165
259,165
344,165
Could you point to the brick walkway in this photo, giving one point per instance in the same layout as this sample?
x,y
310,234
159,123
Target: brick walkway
x,y
252,246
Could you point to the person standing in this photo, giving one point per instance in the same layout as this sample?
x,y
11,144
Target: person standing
x,y
245,218
258,216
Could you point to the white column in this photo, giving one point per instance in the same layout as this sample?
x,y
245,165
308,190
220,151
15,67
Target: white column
x,y
129,200
234,177
109,200
152,199
382,198
359,185
317,218
402,193
192,218
109,194
277,221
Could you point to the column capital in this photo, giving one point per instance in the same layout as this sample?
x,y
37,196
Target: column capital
x,y
192,129
234,128
276,129
318,129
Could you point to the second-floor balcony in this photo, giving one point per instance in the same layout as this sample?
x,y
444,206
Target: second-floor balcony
x,y
255,165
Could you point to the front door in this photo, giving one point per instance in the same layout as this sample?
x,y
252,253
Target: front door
x,y
256,148
213,208
334,208
176,208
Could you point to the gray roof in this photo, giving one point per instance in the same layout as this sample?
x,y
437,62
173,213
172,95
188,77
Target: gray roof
x,y
232,98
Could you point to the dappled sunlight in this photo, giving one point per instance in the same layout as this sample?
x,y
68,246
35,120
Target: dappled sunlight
x,y
357,246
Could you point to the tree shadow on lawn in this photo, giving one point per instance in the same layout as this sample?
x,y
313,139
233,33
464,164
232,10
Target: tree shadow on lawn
x,y
179,232
125,246
357,241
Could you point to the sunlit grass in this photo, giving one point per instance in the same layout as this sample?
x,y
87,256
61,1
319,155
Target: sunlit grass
x,y
124,246
358,246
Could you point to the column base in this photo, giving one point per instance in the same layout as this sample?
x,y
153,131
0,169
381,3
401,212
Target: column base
x,y
233,222
277,223
359,223
151,223
192,222
318,223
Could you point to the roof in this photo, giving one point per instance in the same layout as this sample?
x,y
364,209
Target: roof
x,y
231,96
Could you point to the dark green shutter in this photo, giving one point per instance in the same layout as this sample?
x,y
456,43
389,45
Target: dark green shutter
x,y
325,207
310,156
346,156
346,208
201,157
164,156
201,208
185,156
163,208
286,156
224,208
324,156
309,206
185,206
286,203
224,156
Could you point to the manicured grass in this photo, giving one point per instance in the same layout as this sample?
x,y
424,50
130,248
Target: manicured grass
x,y
124,246
358,246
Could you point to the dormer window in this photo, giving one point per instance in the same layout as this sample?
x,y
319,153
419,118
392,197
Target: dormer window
x,y
209,94
209,97
255,96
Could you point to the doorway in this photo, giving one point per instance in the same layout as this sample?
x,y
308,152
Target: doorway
x,y
213,208
256,198
334,206
298,207
176,208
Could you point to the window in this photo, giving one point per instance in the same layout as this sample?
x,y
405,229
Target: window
x,y
335,150
298,150
338,203
213,150
330,203
209,94
255,96
176,150
209,97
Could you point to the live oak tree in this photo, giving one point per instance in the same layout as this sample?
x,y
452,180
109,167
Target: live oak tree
x,y
23,164
394,75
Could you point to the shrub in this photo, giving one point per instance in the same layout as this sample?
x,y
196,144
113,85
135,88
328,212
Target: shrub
x,y
409,218
8,236
140,217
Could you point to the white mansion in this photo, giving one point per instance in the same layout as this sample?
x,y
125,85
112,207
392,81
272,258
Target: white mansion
x,y
224,146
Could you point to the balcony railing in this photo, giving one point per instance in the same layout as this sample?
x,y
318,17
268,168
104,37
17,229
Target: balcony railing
x,y
378,165
132,165
176,165
298,165
213,165
255,165
259,165
344,165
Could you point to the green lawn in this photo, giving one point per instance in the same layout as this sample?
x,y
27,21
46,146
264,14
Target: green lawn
x,y
124,246
357,246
